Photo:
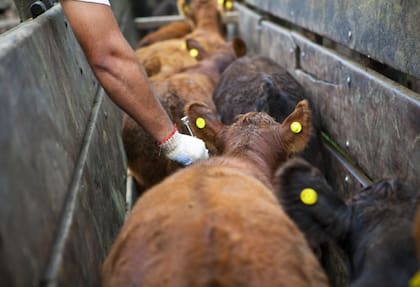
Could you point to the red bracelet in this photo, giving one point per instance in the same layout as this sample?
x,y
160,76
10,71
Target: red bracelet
x,y
170,136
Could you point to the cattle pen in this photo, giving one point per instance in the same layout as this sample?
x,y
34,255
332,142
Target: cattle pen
x,y
63,168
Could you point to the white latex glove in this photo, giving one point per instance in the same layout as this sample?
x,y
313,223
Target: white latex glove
x,y
184,149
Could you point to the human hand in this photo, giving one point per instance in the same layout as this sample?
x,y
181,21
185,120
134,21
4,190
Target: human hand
x,y
184,149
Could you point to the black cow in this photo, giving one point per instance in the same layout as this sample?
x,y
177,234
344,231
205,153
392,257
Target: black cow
x,y
374,228
257,83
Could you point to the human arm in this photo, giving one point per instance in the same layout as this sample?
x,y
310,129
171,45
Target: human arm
x,y
117,68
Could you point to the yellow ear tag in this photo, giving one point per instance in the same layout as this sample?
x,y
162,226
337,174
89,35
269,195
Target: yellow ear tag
x,y
308,196
193,52
415,280
200,123
184,46
296,127
229,5
186,9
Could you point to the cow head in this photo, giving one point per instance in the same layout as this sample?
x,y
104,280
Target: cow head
x,y
237,46
374,227
253,133
290,180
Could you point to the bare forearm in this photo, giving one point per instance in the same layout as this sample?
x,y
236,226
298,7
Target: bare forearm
x,y
116,66
127,85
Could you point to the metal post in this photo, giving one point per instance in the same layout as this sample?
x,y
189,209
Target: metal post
x,y
32,8
23,8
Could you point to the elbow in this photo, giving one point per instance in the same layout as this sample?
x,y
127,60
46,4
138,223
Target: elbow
x,y
110,55
112,62
100,60
103,62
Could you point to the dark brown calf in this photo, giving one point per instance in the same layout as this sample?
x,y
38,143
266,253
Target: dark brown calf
x,y
257,83
374,228
217,223
174,91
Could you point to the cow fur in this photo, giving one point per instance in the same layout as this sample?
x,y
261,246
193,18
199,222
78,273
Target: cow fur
x,y
174,91
171,55
257,83
217,223
180,29
374,228
173,30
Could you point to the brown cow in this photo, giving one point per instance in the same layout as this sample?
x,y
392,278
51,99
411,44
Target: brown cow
x,y
217,223
175,90
173,30
182,28
171,55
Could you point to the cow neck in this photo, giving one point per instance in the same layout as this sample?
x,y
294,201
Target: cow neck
x,y
208,22
252,165
215,65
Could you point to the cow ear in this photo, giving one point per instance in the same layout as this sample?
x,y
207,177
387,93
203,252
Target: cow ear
x,y
152,65
310,201
296,129
228,5
239,46
183,8
204,123
195,49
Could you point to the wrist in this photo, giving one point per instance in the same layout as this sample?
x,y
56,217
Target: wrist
x,y
170,136
171,142
183,149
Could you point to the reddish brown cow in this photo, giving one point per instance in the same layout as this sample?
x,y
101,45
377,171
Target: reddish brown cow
x,y
171,31
171,55
174,91
217,223
167,57
183,28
